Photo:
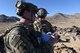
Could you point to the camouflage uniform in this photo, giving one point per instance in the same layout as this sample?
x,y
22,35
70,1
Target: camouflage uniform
x,y
46,27
43,26
21,40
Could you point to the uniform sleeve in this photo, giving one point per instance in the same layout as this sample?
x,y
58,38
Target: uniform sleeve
x,y
19,42
51,28
37,26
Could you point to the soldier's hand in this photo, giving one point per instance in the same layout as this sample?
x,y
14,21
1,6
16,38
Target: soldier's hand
x,y
54,37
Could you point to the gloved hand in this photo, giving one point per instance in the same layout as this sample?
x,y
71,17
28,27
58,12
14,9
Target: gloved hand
x,y
46,37
55,37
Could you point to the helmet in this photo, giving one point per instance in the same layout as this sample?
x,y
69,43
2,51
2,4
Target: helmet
x,y
42,12
22,6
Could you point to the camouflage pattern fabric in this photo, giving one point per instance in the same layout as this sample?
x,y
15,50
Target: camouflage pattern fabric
x,y
37,25
46,27
18,40
43,26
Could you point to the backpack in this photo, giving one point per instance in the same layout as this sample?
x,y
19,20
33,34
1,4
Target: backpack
x,y
33,39
2,46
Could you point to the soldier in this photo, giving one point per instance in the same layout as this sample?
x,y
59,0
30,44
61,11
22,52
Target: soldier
x,y
22,37
42,25
46,26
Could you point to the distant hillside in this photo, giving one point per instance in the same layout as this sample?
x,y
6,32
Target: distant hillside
x,y
59,19
4,18
65,20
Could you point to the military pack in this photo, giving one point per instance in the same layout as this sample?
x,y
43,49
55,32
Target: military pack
x,y
30,34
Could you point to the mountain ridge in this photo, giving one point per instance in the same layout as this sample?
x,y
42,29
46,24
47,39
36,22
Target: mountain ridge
x,y
64,20
4,18
59,19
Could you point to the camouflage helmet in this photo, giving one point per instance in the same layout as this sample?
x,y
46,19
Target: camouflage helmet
x,y
42,12
22,6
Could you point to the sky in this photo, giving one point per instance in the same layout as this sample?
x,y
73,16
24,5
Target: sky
x,y
8,8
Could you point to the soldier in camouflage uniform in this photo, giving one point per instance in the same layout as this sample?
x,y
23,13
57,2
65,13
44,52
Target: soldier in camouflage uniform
x,y
43,25
22,37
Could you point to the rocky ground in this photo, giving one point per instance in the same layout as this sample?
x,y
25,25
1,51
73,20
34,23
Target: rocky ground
x,y
4,26
69,40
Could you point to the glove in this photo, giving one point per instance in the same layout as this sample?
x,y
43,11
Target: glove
x,y
46,37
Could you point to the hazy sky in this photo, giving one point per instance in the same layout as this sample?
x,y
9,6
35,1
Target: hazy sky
x,y
7,7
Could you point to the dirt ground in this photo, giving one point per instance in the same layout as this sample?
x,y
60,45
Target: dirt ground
x,y
5,26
